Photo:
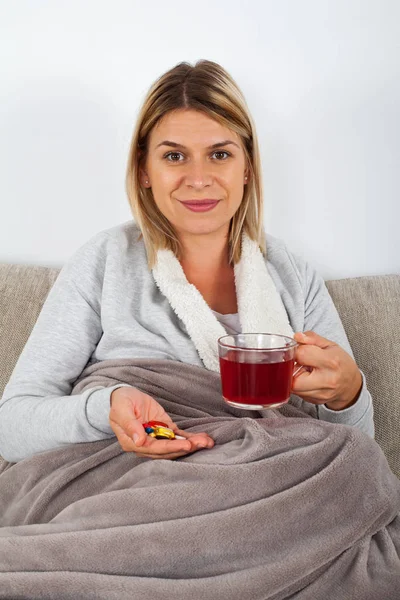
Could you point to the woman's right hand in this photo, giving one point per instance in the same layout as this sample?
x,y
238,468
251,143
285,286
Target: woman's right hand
x,y
130,408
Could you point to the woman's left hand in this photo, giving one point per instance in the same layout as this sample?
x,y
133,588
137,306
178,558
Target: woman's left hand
x,y
335,380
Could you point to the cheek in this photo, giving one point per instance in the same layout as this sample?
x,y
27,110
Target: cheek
x,y
237,190
234,180
165,185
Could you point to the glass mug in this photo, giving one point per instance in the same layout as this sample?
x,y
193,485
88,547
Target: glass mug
x,y
257,369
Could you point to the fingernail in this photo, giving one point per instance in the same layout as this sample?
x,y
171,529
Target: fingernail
x,y
135,437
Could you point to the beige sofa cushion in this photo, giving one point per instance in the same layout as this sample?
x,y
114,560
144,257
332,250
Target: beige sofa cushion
x,y
370,311
368,306
23,290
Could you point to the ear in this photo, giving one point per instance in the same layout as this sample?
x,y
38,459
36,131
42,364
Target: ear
x,y
144,179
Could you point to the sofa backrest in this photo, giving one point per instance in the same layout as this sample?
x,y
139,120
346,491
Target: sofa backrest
x,y
368,306
23,290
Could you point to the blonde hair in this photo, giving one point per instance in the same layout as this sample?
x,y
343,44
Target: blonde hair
x,y
207,88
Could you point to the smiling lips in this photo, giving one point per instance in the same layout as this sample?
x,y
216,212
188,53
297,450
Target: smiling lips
x,y
200,205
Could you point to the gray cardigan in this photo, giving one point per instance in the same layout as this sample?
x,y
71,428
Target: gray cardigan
x,y
105,304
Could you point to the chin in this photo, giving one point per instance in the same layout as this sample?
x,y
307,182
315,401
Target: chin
x,y
201,228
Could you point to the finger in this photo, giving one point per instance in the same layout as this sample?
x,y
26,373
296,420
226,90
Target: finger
x,y
126,440
313,356
136,431
199,439
143,453
149,453
310,337
124,419
161,447
166,456
311,384
317,397
300,369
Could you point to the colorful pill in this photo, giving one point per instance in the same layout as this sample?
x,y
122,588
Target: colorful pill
x,y
160,430
164,433
155,424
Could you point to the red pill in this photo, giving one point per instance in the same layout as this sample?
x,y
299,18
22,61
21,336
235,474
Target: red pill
x,y
155,424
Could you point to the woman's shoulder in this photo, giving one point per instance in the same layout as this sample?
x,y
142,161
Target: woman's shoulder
x,y
278,251
128,231
288,264
121,239
274,244
115,244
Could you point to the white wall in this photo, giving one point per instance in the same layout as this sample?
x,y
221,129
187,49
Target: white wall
x,y
321,78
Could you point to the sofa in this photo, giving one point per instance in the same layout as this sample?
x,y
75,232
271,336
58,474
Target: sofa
x,y
369,307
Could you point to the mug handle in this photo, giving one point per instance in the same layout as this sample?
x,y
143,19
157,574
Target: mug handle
x,y
299,368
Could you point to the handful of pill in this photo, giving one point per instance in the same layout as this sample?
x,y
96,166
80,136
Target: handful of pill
x,y
160,430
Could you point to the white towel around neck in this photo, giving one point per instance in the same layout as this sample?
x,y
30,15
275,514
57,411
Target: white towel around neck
x,y
260,307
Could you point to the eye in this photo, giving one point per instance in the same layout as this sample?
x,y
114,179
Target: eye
x,y
222,152
170,154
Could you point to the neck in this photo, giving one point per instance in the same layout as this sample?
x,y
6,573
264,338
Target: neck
x,y
205,252
205,264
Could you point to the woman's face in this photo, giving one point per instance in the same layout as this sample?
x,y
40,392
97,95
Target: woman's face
x,y
182,166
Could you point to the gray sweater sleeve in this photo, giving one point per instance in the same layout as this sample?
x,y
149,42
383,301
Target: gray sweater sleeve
x,y
37,412
322,317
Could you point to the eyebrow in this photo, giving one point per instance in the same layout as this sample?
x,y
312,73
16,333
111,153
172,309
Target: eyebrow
x,y
176,145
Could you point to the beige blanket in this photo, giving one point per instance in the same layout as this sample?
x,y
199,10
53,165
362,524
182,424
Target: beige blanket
x,y
283,506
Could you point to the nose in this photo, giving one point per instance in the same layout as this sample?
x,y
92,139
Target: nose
x,y
198,175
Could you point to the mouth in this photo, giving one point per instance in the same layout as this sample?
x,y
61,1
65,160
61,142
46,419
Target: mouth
x,y
200,205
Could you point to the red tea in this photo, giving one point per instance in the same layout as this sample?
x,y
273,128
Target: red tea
x,y
256,383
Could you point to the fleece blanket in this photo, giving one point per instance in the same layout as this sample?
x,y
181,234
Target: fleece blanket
x,y
283,506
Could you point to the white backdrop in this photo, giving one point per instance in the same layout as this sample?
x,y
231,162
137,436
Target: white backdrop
x,y
321,78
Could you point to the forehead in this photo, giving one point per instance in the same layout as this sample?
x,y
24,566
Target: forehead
x,y
190,128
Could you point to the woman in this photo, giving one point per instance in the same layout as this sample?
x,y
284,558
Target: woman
x,y
256,504
194,185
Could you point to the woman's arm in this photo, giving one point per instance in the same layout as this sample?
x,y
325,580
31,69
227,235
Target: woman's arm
x,y
321,316
37,412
